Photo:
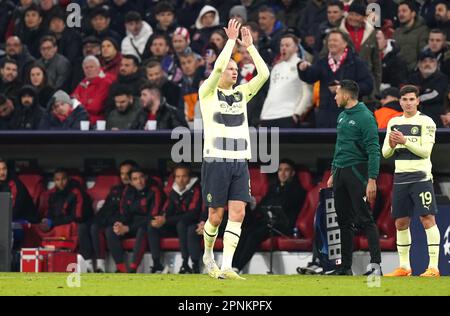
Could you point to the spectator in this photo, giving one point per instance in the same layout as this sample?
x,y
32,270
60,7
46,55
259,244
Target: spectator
x,y
126,111
253,7
286,112
207,22
108,214
27,113
188,13
341,63
192,75
181,213
69,209
8,11
6,112
15,50
23,207
438,45
432,86
286,194
314,14
390,107
111,58
49,8
37,77
290,12
219,38
118,11
169,90
165,15
180,44
32,30
364,40
442,16
64,113
156,108
100,21
138,33
224,8
91,46
412,34
239,13
158,48
335,14
393,68
67,39
130,75
57,66
140,203
9,78
92,92
271,32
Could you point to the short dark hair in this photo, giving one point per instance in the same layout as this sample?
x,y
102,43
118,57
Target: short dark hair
x,y
121,89
411,5
444,2
9,60
135,169
149,86
338,31
3,160
409,89
129,162
336,3
48,38
33,7
164,6
289,162
61,170
182,166
133,58
253,26
133,16
439,31
160,36
292,36
351,87
152,64
266,8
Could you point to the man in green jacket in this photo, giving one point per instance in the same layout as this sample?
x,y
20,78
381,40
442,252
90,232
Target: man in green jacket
x,y
355,167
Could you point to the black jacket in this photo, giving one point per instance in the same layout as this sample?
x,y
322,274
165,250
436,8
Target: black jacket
x,y
433,91
69,44
23,206
51,122
187,203
353,68
290,197
24,61
138,207
394,68
167,118
27,117
110,211
69,205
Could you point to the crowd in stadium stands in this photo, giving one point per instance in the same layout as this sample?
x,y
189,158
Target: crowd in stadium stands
x,y
130,62
134,206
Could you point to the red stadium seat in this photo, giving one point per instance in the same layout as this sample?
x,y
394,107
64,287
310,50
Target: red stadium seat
x,y
170,244
305,179
259,183
34,182
169,185
385,222
101,188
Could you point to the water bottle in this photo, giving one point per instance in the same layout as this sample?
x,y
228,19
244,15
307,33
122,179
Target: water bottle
x,y
295,232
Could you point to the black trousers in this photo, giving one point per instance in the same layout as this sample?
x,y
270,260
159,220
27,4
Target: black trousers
x,y
84,240
353,212
115,245
285,122
183,228
98,241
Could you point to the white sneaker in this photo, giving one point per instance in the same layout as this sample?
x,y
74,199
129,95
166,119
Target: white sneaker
x,y
101,267
230,274
211,267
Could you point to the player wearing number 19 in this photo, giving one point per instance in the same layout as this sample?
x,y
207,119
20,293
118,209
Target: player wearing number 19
x,y
410,139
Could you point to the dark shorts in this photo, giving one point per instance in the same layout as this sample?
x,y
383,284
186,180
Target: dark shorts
x,y
223,181
413,198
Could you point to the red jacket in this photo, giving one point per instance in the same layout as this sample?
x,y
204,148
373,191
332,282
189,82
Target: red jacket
x,y
92,93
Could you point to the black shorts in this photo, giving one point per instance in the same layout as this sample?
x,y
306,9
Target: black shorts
x,y
225,180
413,198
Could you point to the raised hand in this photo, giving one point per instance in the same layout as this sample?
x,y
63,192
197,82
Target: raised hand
x,y
232,30
247,39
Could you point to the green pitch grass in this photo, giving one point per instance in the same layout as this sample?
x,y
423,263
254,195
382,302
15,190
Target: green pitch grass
x,y
202,285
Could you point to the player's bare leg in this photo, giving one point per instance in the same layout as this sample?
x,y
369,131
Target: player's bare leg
x,y
210,233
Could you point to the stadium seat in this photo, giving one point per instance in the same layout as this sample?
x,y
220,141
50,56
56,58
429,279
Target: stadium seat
x,y
170,244
259,183
34,182
101,188
305,179
168,186
385,223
